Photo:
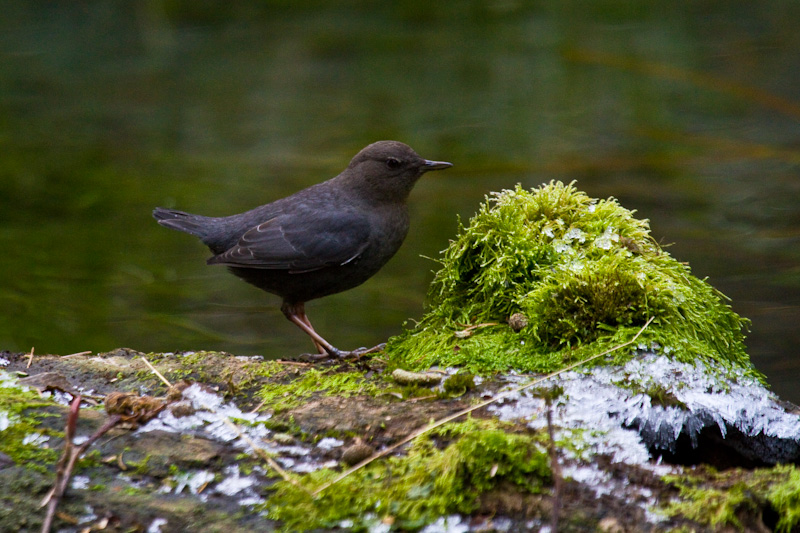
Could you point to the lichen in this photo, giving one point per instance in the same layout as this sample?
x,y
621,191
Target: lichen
x,y
416,489
584,273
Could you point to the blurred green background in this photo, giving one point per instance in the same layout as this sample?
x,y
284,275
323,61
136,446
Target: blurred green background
x,y
688,111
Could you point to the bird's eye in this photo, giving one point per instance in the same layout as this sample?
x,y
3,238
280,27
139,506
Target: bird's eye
x,y
393,163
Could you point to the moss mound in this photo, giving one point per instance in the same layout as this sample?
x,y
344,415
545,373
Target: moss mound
x,y
542,278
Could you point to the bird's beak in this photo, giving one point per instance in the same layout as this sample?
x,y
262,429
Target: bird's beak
x,y
435,165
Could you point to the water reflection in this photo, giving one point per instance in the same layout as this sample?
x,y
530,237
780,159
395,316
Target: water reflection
x,y
687,112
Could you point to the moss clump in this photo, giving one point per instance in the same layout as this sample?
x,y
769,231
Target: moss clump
x,y
586,275
459,384
420,487
21,436
784,496
719,499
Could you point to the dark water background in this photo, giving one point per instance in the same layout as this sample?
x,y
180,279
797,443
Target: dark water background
x,y
687,111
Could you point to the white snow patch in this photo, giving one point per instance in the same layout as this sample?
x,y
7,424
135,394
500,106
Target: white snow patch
x,y
194,481
37,439
329,443
605,240
235,484
594,401
447,524
575,234
5,420
80,482
156,525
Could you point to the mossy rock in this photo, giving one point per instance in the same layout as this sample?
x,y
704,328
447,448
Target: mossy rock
x,y
579,275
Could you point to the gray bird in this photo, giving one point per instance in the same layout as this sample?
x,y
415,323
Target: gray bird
x,y
325,239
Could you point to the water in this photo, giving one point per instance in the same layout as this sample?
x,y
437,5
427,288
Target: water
x,y
687,112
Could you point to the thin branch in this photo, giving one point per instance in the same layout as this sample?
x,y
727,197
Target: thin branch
x,y
77,354
555,468
71,454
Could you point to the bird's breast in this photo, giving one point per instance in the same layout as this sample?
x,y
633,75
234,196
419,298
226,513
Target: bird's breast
x,y
388,229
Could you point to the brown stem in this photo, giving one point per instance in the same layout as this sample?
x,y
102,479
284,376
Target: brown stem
x,y
555,468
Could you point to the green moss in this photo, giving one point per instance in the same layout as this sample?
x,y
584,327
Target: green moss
x,y
719,499
711,506
21,437
239,378
585,273
459,384
663,396
138,467
298,387
785,498
420,487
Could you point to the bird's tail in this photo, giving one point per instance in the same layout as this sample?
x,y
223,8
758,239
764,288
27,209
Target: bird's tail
x,y
197,225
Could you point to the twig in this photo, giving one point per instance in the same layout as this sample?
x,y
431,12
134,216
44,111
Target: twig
x,y
442,421
470,329
421,398
30,358
77,354
295,363
555,468
55,494
257,407
71,454
69,457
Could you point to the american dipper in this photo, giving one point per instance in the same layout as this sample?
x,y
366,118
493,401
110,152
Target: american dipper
x,y
325,239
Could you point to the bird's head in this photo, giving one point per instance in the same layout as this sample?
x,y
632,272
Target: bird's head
x,y
388,170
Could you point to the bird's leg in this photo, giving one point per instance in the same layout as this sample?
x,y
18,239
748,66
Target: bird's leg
x,y
304,319
296,313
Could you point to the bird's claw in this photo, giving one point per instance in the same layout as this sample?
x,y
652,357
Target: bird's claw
x,y
335,353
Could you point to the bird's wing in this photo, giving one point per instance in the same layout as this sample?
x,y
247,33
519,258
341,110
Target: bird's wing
x,y
300,243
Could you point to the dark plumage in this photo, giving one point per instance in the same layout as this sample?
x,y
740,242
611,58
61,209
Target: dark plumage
x,y
325,239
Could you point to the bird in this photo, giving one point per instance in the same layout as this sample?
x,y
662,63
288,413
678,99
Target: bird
x,y
322,240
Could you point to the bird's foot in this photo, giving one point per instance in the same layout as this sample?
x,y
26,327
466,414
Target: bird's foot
x,y
335,353
359,352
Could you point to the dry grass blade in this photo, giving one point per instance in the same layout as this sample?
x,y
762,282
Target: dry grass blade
x,y
156,372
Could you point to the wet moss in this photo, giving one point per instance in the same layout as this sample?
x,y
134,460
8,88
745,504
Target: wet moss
x,y
297,387
784,496
416,489
22,492
459,384
736,498
22,437
585,273
663,396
